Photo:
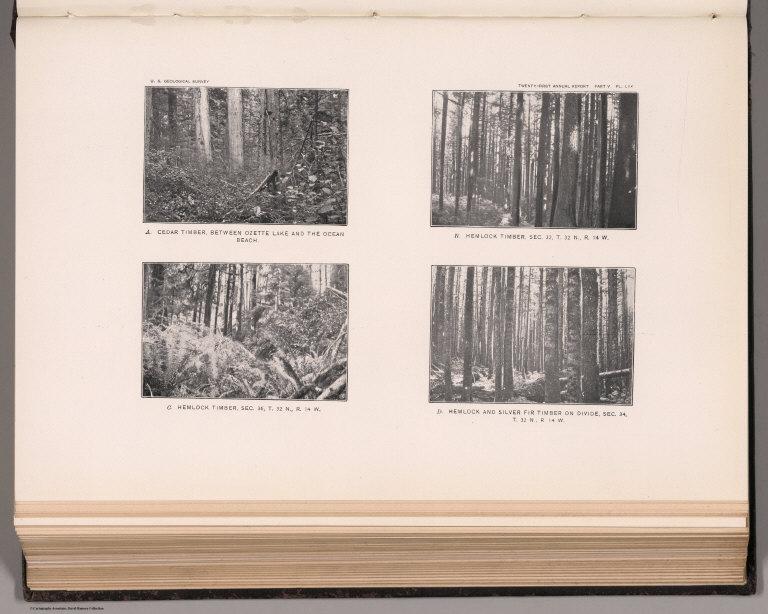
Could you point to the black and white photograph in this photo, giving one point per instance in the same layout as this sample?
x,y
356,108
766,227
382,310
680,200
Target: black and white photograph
x,y
245,331
245,155
505,334
534,159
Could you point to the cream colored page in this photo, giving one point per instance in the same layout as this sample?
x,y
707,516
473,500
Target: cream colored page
x,y
413,8
84,432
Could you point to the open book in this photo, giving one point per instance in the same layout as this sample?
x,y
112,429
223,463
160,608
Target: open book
x,y
398,296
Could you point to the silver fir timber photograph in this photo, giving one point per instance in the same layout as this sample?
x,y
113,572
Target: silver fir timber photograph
x,y
244,331
507,334
245,155
534,159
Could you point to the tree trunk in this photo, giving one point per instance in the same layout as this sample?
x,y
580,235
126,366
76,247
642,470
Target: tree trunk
x,y
544,136
498,335
556,160
148,93
441,188
602,171
589,331
154,306
209,294
438,315
473,155
235,128
448,332
457,186
564,215
517,163
173,128
622,211
202,125
509,334
613,324
469,303
551,334
573,338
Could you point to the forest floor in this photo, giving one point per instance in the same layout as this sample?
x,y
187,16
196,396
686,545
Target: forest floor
x,y
175,192
528,388
484,213
186,360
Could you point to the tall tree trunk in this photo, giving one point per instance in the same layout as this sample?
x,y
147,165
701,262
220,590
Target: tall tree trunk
x,y
218,301
469,303
154,307
573,338
551,334
240,304
482,317
589,331
148,94
209,294
458,137
556,160
544,136
509,334
202,125
517,162
443,127
438,315
448,332
473,155
564,215
613,324
622,211
173,127
227,299
498,335
235,128
602,173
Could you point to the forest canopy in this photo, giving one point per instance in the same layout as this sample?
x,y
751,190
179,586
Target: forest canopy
x,y
542,159
532,334
245,155
245,331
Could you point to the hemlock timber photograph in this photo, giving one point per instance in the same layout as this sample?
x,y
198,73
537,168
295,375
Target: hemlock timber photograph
x,y
536,159
532,335
245,331
245,155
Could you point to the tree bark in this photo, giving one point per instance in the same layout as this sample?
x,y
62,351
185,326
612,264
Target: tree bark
x,y
509,334
551,334
209,294
235,128
564,215
448,332
589,331
612,336
444,121
469,303
622,211
573,338
517,163
544,136
457,187
154,307
473,156
498,335
438,315
202,125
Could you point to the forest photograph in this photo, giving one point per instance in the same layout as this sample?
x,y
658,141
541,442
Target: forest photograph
x,y
245,155
245,331
534,159
504,334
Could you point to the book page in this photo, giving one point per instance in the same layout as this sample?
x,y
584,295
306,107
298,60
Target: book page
x,y
125,258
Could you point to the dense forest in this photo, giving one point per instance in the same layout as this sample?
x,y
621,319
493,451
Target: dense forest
x,y
245,331
247,155
540,159
532,334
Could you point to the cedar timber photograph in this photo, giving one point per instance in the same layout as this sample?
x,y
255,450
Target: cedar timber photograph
x,y
245,331
534,159
505,334
245,155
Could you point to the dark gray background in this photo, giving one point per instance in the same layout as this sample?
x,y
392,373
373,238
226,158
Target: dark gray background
x,y
10,554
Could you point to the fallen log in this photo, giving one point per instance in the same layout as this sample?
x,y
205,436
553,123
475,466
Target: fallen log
x,y
334,389
613,374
